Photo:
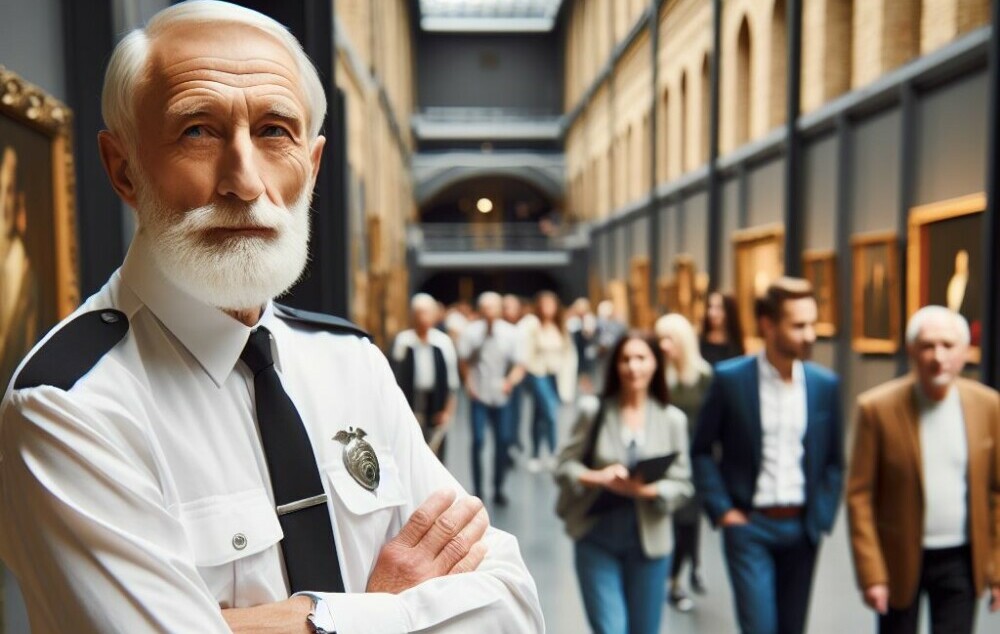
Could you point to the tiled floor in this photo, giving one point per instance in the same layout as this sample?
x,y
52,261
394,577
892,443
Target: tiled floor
x,y
836,606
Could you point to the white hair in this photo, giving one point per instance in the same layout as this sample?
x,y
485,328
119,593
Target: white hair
x,y
689,365
489,297
423,299
920,317
129,62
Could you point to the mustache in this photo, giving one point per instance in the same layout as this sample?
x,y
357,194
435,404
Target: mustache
x,y
260,214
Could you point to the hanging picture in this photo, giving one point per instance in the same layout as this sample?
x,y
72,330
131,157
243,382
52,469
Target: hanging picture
x,y
876,321
758,260
38,270
949,235
819,267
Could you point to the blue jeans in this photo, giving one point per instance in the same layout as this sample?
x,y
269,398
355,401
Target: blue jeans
x,y
622,588
543,428
498,419
770,564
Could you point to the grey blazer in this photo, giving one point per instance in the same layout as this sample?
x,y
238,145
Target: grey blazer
x,y
666,431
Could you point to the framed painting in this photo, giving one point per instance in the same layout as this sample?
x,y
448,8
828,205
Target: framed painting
x,y
949,234
666,288
38,252
820,268
758,259
640,306
876,324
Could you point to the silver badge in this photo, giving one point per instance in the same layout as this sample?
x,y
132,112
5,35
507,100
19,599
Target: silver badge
x,y
359,457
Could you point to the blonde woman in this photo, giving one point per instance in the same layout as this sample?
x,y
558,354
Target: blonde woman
x,y
688,376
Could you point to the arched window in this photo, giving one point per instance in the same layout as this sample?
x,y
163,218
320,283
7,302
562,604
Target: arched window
x,y
838,48
682,136
779,66
743,51
705,110
663,147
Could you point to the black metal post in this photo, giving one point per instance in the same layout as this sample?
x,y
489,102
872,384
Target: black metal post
x,y
715,245
907,178
89,41
654,212
794,225
991,223
842,246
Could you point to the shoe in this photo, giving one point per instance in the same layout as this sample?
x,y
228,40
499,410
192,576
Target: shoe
x,y
534,465
500,499
680,601
697,583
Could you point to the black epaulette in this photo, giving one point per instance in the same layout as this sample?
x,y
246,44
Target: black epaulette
x,y
320,320
73,350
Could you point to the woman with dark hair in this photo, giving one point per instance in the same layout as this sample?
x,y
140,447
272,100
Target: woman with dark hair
x,y
721,330
550,358
622,552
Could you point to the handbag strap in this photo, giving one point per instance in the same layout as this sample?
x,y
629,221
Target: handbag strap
x,y
591,446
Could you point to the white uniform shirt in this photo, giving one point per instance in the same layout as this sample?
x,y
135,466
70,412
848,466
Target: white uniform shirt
x,y
781,481
139,500
490,358
423,357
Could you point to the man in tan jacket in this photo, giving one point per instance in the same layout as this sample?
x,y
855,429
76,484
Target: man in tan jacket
x,y
923,490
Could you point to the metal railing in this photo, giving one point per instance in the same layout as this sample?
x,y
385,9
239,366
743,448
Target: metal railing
x,y
465,236
462,114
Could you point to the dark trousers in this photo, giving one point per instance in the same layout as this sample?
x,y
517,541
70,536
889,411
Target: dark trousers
x,y
770,564
423,408
946,577
686,538
499,419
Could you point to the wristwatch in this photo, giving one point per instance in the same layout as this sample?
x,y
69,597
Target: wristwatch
x,y
320,620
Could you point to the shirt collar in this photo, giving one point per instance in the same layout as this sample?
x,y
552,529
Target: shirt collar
x,y
770,373
214,338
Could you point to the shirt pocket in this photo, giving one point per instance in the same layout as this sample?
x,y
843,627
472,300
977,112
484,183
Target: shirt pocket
x,y
358,500
226,530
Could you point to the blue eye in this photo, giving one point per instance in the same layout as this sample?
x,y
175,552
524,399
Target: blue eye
x,y
194,132
274,131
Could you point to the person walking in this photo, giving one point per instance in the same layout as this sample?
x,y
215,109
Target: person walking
x,y
721,329
551,362
688,377
923,491
622,552
768,462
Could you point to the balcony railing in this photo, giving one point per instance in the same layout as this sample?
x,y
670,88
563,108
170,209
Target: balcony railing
x,y
515,236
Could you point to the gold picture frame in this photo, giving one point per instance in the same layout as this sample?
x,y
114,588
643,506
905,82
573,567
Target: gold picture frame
x,y
820,268
949,233
876,326
38,248
758,259
640,306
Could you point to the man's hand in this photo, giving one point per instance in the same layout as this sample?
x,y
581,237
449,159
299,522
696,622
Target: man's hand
x,y
442,537
441,419
994,598
733,517
877,597
284,617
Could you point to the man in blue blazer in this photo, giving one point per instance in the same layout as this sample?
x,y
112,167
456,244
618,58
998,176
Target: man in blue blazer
x,y
768,462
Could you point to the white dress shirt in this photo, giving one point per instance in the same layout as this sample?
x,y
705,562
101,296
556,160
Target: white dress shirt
x,y
944,455
781,481
139,500
423,357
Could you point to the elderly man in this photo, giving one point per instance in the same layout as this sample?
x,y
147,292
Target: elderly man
x,y
427,371
768,462
182,453
491,359
923,490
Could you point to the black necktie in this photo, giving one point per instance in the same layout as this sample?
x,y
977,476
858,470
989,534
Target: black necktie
x,y
308,546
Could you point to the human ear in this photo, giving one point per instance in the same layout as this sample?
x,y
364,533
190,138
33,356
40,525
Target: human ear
x,y
116,164
316,155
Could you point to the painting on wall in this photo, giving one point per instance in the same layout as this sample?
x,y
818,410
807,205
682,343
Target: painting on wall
x,y
949,235
38,270
640,307
820,268
758,259
875,286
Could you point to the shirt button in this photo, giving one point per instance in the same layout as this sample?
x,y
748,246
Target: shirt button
x,y
239,541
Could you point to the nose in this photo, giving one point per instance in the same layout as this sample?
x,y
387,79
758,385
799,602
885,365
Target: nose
x,y
239,174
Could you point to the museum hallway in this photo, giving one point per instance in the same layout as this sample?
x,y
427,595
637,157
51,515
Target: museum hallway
x,y
836,606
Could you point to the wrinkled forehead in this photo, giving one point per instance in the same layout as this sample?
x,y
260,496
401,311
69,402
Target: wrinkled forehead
x,y
226,53
938,329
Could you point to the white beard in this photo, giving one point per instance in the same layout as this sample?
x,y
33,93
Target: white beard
x,y
238,273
